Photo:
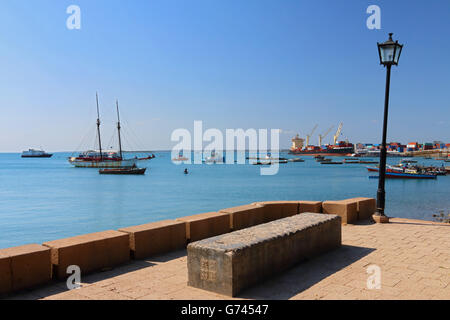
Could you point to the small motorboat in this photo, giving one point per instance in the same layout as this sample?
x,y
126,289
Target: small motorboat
x,y
355,155
214,158
134,171
331,162
388,169
407,175
405,160
296,160
259,163
268,163
393,172
351,161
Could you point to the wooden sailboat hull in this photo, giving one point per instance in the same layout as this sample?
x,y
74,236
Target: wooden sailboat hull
x,y
104,164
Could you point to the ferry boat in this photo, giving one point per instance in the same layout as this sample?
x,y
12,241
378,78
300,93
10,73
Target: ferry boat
x,y
105,159
33,153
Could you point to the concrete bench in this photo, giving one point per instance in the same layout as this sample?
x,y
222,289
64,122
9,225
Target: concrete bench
x,y
156,238
205,225
91,252
24,267
229,263
346,209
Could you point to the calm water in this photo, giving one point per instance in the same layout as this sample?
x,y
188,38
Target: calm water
x,y
47,199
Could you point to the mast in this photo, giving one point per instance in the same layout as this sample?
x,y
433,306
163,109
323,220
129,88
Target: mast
x,y
118,128
98,129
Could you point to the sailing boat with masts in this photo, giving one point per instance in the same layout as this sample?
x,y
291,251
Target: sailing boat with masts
x,y
102,159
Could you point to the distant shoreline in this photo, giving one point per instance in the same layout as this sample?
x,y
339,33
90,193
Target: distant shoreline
x,y
138,151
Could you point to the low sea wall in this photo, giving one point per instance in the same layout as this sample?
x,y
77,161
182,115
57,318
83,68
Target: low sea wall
x,y
28,266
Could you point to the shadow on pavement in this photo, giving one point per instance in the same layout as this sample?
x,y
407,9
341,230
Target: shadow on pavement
x,y
306,274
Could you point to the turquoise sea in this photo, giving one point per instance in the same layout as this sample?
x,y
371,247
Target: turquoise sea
x,y
47,199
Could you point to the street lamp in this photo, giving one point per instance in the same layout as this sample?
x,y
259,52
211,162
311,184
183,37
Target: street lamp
x,y
389,53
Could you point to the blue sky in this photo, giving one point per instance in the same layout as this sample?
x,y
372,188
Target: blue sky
x,y
286,64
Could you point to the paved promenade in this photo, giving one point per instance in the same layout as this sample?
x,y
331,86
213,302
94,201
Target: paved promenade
x,y
413,256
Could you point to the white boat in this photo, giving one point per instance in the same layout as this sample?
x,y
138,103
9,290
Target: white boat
x,y
214,158
180,157
33,153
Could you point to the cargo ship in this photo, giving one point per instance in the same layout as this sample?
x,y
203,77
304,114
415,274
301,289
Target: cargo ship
x,y
341,148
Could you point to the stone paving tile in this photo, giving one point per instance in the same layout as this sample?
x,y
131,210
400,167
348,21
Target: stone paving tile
x,y
413,256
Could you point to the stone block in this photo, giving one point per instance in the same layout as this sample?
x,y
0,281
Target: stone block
x,y
245,216
91,252
310,206
24,267
366,207
346,209
274,210
229,263
206,225
5,273
156,238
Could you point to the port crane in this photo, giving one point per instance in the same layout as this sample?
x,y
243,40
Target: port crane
x,y
321,137
338,133
310,135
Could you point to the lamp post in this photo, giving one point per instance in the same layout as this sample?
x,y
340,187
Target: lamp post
x,y
389,53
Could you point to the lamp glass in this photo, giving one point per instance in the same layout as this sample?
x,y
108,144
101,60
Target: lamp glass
x,y
387,53
397,53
